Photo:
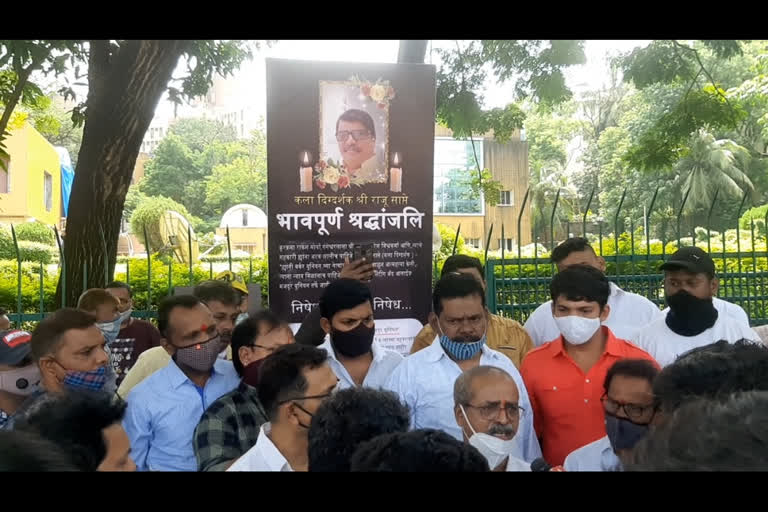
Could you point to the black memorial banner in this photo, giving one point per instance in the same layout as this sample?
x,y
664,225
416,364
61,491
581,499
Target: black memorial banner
x,y
350,169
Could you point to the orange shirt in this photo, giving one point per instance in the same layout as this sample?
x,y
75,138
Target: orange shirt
x,y
567,412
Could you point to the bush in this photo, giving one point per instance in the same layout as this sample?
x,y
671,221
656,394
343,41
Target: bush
x,y
30,287
757,214
28,250
148,213
36,232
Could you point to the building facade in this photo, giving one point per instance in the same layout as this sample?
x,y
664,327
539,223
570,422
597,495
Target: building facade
x,y
30,188
454,201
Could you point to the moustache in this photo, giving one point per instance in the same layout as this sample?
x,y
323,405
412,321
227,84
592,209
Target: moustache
x,y
504,430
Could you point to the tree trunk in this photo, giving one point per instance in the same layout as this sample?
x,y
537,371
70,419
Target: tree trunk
x,y
412,51
124,90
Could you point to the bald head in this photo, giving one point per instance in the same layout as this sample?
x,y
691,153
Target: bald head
x,y
479,376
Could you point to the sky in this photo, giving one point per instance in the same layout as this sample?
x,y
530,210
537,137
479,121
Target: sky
x,y
250,80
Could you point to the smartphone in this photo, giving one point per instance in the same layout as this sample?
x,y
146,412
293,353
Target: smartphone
x,y
360,251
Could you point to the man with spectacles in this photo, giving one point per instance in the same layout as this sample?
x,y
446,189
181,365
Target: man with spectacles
x,y
294,381
629,409
165,408
564,376
356,135
347,318
425,380
231,424
486,408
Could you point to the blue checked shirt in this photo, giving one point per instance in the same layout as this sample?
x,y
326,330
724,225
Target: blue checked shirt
x,y
424,381
163,412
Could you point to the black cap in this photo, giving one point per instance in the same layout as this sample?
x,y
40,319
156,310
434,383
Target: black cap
x,y
691,259
14,346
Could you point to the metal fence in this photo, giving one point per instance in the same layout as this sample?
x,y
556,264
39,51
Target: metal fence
x,y
156,279
518,285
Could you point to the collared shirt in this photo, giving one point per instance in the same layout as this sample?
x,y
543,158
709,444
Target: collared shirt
x,y
229,428
629,313
147,363
566,402
30,404
504,334
384,362
596,456
665,345
515,464
424,381
264,456
724,307
163,412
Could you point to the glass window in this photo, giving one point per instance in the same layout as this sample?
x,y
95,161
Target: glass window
x,y
48,191
472,242
454,169
505,198
5,174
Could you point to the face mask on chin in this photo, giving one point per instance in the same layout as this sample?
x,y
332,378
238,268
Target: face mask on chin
x,y
494,449
689,315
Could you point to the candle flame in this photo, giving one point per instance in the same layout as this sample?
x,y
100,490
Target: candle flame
x,y
306,159
396,159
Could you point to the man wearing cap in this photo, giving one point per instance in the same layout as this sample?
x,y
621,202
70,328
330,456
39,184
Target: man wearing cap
x,y
692,319
19,375
240,287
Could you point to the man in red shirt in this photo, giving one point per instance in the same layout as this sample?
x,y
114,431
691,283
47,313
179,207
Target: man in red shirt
x,y
135,335
564,377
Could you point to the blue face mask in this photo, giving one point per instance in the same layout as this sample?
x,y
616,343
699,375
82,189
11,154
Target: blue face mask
x,y
93,380
622,433
461,350
110,330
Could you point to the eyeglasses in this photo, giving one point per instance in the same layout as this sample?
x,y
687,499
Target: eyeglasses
x,y
356,135
326,395
491,410
267,349
633,411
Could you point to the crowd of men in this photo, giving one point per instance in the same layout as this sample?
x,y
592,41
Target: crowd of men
x,y
598,379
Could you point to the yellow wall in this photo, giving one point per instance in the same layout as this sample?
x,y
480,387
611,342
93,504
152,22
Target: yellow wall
x,y
251,240
31,157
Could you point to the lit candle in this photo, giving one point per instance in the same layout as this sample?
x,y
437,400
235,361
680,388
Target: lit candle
x,y
396,174
305,174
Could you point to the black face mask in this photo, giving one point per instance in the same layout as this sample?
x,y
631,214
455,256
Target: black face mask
x,y
689,315
353,343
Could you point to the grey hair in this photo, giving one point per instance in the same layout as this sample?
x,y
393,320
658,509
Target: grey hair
x,y
462,388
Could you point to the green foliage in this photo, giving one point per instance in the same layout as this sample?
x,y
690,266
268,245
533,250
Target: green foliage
x,y
148,213
35,232
29,249
448,235
30,287
757,214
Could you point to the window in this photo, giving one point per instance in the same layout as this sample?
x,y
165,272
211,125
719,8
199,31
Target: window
x,y
245,217
48,191
505,198
473,242
509,246
454,168
5,175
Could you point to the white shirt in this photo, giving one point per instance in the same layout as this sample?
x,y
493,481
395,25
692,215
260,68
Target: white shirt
x,y
384,362
264,456
596,456
515,464
630,312
727,308
665,345
424,381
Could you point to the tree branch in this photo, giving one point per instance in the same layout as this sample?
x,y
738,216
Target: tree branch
x,y
23,77
702,69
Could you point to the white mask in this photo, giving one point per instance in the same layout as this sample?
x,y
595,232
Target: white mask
x,y
494,449
577,330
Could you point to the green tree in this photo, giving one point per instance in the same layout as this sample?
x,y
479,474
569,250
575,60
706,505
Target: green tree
x,y
241,180
126,79
712,165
